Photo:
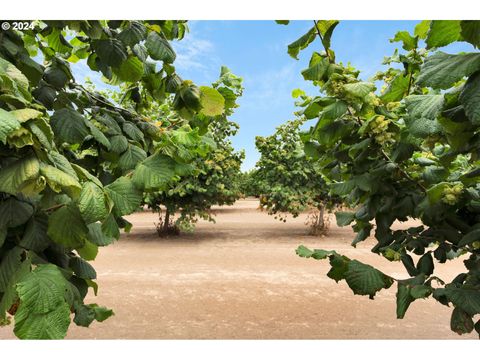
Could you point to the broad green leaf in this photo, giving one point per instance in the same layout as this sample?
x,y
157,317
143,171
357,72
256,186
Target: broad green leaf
x,y
14,212
422,112
69,126
67,227
365,280
159,48
133,33
339,266
470,98
130,70
126,197
442,33
359,89
344,218
82,268
461,322
8,124
34,326
212,101
35,236
23,115
101,312
111,52
282,22
59,180
317,68
91,203
98,135
155,172
133,132
43,312
466,299
301,43
84,315
42,131
421,29
441,70
425,264
17,76
396,89
131,157
89,251
471,31
97,236
13,176
408,41
118,143
110,227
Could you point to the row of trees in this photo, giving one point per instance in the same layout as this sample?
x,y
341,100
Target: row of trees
x,y
74,161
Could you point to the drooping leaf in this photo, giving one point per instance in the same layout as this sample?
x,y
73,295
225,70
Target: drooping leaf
x,y
301,43
91,203
14,212
67,227
13,176
471,31
212,101
125,195
111,51
159,48
365,280
470,98
8,124
69,126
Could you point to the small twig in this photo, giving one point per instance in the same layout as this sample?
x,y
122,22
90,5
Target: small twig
x,y
321,39
55,207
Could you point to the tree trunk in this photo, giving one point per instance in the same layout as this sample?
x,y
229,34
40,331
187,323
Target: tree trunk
x,y
167,220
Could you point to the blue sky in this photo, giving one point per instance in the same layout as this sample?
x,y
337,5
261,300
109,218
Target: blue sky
x,y
257,51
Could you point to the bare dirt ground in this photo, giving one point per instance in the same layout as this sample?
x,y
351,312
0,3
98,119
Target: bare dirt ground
x,y
241,279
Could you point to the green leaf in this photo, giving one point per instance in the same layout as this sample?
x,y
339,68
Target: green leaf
x,y
422,113
359,89
442,33
82,268
317,68
131,157
84,315
301,43
8,124
466,299
42,131
344,218
51,325
13,176
441,70
159,48
111,51
130,70
92,203
102,313
66,227
154,173
23,115
110,227
98,135
97,236
126,197
365,280
282,22
14,212
425,264
471,31
396,89
58,180
43,312
133,33
35,236
133,132
303,251
421,29
404,299
89,251
461,322
408,41
469,238
10,264
325,28
212,101
470,98
118,143
69,126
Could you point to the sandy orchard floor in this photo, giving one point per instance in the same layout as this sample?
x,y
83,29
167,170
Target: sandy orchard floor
x,y
240,279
